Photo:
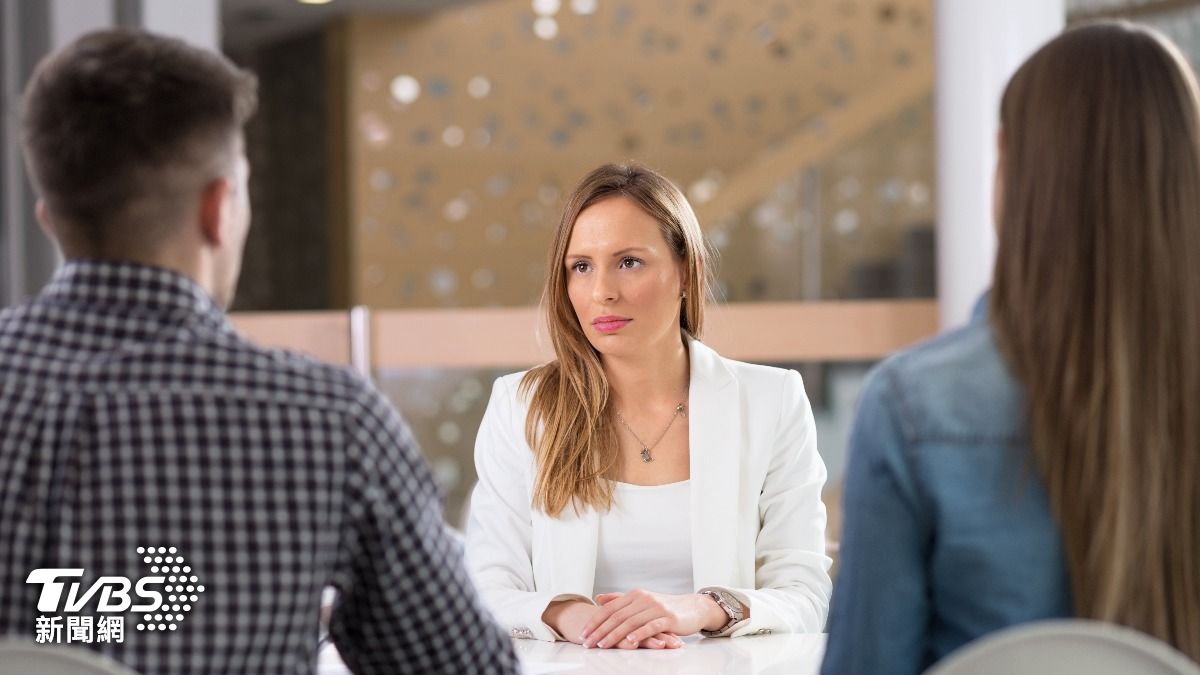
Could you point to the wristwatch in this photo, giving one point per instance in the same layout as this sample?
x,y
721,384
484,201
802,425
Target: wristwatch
x,y
730,605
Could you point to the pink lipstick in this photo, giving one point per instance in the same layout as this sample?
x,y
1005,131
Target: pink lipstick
x,y
609,324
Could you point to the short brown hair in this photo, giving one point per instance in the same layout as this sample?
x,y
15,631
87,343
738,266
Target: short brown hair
x,y
122,125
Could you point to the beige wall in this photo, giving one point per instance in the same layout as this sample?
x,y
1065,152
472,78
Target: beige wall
x,y
703,91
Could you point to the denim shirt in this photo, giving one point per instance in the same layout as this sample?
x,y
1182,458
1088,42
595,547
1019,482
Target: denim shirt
x,y
948,534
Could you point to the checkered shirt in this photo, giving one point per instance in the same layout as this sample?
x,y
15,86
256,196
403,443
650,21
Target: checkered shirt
x,y
133,415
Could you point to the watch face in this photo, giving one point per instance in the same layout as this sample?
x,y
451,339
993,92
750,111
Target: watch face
x,y
731,609
731,605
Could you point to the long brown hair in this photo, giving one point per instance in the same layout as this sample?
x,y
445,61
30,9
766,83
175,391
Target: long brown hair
x,y
1096,306
570,425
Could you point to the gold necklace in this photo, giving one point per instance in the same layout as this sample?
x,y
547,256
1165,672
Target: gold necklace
x,y
680,411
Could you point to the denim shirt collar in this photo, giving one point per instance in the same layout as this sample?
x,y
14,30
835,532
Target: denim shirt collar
x,y
980,312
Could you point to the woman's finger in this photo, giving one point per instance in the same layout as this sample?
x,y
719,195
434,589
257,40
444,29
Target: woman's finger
x,y
635,618
670,640
627,645
660,641
606,611
610,624
653,627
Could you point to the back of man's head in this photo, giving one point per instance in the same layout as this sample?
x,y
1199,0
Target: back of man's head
x,y
123,129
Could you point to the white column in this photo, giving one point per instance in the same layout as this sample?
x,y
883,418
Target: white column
x,y
978,45
195,21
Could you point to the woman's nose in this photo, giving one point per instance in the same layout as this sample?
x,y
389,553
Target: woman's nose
x,y
605,289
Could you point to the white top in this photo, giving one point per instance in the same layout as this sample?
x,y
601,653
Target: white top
x,y
645,540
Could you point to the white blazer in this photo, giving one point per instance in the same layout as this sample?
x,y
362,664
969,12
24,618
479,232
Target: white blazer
x,y
758,523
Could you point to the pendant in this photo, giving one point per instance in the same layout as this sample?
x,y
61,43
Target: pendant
x,y
646,455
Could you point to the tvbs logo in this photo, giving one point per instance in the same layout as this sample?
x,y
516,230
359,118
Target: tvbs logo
x,y
162,599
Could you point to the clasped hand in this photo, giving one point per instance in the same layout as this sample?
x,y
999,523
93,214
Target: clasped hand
x,y
626,620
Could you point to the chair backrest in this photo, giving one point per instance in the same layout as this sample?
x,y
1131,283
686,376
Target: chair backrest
x,y
1066,648
27,658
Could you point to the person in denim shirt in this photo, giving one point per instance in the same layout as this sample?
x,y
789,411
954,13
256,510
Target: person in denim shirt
x,y
945,537
1042,461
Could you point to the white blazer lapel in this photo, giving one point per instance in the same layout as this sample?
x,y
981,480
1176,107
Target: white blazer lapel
x,y
714,434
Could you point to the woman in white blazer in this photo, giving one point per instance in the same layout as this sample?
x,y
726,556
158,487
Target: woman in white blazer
x,y
641,487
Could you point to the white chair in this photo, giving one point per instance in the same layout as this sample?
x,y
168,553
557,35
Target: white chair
x,y
1066,648
21,657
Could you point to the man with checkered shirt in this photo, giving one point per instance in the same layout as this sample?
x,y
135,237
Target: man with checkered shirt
x,y
134,420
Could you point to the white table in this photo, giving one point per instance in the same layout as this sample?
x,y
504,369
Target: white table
x,y
758,655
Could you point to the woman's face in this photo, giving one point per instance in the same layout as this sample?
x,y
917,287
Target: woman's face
x,y
623,279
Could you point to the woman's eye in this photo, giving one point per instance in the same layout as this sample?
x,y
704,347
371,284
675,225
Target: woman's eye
x,y
630,263
580,266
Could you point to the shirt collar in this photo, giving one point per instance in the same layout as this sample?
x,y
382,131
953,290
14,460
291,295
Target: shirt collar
x,y
980,312
105,283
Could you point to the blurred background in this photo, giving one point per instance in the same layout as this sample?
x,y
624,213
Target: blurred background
x,y
410,159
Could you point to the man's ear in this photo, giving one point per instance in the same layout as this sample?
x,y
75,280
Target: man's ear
x,y
212,211
43,218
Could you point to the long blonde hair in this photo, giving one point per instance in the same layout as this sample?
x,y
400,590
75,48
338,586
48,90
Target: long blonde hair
x,y
1096,306
570,424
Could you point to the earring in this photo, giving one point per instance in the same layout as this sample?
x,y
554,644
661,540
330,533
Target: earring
x,y
683,295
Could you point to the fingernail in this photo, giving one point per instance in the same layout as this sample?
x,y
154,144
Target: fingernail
x,y
629,638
